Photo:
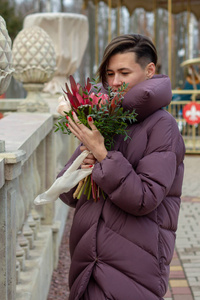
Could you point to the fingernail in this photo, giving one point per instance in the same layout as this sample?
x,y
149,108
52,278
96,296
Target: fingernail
x,y
91,166
90,119
67,117
67,124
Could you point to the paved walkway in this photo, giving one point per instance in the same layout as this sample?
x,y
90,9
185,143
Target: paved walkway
x,y
184,281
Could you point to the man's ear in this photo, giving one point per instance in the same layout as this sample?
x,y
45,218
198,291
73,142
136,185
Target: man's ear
x,y
150,70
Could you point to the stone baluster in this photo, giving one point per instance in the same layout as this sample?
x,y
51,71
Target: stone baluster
x,y
29,174
20,207
50,176
26,195
36,175
20,254
17,272
41,167
32,225
28,233
36,218
12,173
10,169
41,164
24,244
59,149
28,180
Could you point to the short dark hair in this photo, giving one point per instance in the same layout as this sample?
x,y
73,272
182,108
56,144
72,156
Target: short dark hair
x,y
142,46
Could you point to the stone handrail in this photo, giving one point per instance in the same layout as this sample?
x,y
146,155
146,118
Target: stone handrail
x,y
30,155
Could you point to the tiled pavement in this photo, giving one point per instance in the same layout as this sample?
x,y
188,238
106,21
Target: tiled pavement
x,y
184,281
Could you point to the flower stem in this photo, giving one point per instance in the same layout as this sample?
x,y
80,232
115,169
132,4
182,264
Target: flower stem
x,y
82,188
104,197
93,189
89,191
87,185
78,189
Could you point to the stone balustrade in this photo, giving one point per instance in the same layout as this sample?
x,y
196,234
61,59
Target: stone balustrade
x,y
30,156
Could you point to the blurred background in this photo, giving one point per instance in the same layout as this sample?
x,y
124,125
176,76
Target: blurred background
x,y
185,36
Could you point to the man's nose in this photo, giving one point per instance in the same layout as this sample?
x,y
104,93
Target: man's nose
x,y
117,80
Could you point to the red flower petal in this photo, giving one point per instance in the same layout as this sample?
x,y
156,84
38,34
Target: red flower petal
x,y
73,100
73,85
80,99
88,85
67,88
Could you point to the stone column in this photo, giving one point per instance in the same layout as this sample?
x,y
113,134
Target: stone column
x,y
10,169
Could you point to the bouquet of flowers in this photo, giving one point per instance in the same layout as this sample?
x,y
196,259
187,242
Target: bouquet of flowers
x,y
106,111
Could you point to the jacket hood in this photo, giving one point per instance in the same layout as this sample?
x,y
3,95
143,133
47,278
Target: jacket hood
x,y
148,96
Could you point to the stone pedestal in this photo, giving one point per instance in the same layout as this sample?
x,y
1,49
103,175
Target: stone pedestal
x,y
34,101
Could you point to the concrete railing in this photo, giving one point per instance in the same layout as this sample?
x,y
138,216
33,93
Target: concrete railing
x,y
31,155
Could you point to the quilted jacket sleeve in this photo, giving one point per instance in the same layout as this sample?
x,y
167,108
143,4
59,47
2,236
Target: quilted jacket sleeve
x,y
139,191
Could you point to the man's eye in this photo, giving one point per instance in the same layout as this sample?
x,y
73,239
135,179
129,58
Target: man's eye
x,y
110,74
125,73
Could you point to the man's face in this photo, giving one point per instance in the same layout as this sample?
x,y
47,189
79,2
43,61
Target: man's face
x,y
122,67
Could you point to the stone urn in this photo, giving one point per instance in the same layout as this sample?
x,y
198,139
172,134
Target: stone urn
x,y
6,68
34,60
69,33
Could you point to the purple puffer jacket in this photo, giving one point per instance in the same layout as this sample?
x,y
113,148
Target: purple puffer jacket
x,y
121,247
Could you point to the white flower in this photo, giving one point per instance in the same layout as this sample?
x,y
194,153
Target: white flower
x,y
64,105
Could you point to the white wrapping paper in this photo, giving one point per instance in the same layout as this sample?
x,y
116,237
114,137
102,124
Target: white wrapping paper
x,y
66,182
